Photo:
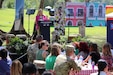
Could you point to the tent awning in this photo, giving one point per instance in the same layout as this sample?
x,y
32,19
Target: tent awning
x,y
110,15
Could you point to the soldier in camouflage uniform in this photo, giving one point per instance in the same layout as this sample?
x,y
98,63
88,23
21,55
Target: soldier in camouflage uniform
x,y
33,48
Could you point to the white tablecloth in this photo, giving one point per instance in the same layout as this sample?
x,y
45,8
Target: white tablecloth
x,y
87,70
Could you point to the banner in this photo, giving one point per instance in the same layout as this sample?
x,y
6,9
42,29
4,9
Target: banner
x,y
19,13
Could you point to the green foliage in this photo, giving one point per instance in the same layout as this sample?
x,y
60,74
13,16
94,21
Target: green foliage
x,y
79,38
49,3
16,45
10,5
36,3
63,39
31,4
81,0
108,2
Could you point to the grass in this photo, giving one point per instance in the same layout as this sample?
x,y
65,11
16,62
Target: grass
x,y
7,17
95,34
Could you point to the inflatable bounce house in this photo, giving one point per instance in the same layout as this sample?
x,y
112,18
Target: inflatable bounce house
x,y
89,14
109,21
76,15
109,9
95,14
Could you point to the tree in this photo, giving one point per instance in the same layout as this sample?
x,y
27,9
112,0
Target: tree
x,y
67,0
1,2
87,0
41,4
50,3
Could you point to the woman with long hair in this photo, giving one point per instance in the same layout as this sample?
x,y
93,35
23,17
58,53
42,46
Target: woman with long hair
x,y
50,60
83,50
16,68
94,54
106,54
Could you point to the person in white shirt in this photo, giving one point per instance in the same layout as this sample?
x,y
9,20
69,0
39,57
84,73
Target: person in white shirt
x,y
112,52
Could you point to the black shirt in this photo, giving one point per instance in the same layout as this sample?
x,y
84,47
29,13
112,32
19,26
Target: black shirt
x,y
95,56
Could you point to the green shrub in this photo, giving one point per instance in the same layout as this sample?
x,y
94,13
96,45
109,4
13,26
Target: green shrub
x,y
16,45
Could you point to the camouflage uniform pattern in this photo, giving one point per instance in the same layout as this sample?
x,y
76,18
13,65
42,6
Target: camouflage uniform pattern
x,y
31,52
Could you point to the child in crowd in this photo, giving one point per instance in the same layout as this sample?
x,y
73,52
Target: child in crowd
x,y
102,67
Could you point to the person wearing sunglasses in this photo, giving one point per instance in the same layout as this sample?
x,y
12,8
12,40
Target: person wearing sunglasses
x,y
42,53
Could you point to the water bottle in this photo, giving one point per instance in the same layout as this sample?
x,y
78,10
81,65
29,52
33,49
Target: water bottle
x,y
80,59
90,61
93,65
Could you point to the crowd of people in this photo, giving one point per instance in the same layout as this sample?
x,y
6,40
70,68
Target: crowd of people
x,y
59,60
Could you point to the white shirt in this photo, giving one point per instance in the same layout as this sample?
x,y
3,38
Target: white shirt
x,y
102,73
2,47
112,52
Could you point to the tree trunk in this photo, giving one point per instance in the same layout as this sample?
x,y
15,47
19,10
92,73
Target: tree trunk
x,y
1,2
41,4
86,0
67,0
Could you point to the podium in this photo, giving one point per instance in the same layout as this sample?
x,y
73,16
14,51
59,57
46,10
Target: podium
x,y
45,29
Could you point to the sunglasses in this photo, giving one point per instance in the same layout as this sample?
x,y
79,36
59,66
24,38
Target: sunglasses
x,y
47,45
